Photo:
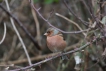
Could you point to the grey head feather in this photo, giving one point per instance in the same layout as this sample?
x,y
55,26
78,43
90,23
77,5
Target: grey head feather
x,y
56,32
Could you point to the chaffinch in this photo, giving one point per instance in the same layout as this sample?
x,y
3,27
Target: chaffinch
x,y
55,41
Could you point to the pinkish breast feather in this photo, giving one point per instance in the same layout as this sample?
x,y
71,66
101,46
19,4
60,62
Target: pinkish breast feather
x,y
56,43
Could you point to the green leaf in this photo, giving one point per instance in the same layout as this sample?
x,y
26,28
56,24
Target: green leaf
x,y
48,1
1,1
56,1
35,1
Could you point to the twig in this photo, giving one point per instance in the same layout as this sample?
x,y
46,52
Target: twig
x,y
93,16
46,60
21,25
37,25
84,22
51,13
100,26
22,43
71,22
46,20
87,7
37,58
90,8
40,57
59,65
10,53
4,34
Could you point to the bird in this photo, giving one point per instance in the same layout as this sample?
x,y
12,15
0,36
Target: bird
x,y
55,41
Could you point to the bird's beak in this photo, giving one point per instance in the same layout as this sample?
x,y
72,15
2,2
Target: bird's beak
x,y
45,34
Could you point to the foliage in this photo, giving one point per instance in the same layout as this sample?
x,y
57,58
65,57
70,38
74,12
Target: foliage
x,y
47,1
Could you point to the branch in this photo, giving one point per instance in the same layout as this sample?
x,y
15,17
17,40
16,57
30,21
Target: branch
x,y
22,43
87,7
21,25
71,22
46,20
53,57
37,25
84,22
90,8
4,34
37,58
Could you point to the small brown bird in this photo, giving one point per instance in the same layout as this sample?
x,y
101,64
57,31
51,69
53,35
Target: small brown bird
x,y
55,41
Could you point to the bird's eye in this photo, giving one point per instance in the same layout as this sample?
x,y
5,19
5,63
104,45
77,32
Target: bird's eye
x,y
48,32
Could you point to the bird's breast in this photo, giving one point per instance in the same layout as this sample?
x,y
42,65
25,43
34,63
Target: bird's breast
x,y
56,43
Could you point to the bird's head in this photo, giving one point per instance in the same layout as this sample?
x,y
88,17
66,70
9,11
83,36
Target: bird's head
x,y
52,32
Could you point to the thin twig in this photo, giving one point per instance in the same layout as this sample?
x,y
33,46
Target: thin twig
x,y
84,22
66,65
10,53
87,7
37,25
22,43
46,20
4,33
93,16
21,25
53,57
71,22
24,60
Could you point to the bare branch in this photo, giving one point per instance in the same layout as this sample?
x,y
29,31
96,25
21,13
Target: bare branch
x,y
4,33
37,10
22,43
21,25
37,26
84,22
71,22
53,57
